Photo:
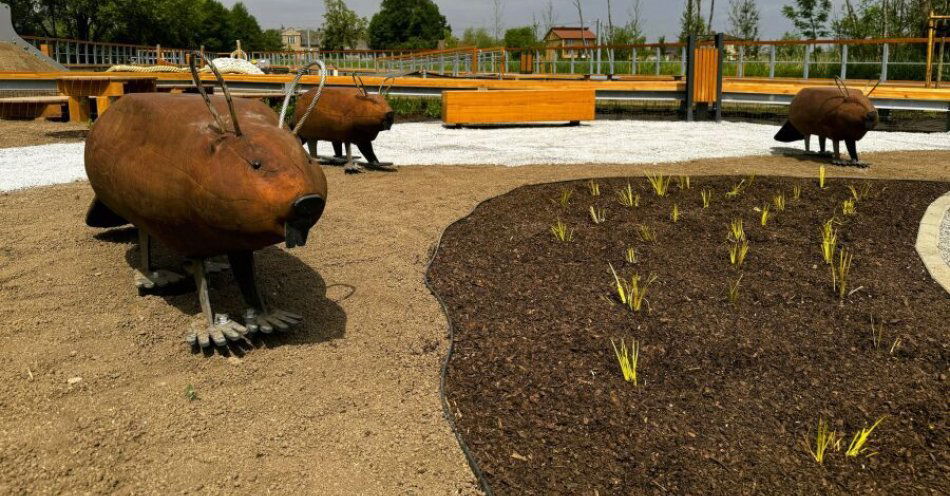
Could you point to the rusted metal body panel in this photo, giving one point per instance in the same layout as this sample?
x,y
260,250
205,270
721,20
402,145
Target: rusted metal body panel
x,y
829,113
346,115
161,162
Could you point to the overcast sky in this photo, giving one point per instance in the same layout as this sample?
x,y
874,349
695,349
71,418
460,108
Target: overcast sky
x,y
661,17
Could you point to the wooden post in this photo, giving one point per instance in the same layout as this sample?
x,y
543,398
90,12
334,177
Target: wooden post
x,y
44,48
931,26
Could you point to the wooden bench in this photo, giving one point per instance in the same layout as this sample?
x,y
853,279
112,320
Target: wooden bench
x,y
517,106
79,89
31,107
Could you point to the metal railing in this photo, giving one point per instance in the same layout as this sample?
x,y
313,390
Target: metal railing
x,y
889,59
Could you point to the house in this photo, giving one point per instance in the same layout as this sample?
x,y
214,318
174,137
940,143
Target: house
x,y
291,39
562,36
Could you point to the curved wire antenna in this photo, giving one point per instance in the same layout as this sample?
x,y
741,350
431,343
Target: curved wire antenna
x,y
841,86
224,86
292,90
878,83
391,78
358,81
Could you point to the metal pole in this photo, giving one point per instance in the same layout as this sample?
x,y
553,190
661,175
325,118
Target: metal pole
x,y
772,62
885,54
633,61
844,62
807,60
683,60
740,71
690,76
658,55
720,51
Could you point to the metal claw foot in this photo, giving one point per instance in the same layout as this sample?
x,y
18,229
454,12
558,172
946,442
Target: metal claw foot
x,y
353,169
222,330
851,163
336,161
270,321
379,166
156,278
213,267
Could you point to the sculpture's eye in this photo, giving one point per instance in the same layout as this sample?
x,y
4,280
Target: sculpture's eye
x,y
256,164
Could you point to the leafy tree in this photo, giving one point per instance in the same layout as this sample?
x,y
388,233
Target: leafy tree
x,y
407,24
744,19
478,37
523,37
691,22
342,28
810,17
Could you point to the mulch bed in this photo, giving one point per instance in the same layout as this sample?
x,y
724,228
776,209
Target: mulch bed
x,y
728,392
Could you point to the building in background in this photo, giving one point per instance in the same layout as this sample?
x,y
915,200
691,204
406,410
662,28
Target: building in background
x,y
562,37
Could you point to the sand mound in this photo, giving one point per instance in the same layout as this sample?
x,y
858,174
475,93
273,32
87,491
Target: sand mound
x,y
14,58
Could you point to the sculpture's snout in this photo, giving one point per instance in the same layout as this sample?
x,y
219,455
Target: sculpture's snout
x,y
305,212
388,120
870,120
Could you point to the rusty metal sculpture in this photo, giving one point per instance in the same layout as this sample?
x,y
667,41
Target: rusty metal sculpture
x,y
839,114
346,116
204,185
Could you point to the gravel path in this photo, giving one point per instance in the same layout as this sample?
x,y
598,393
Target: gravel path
x,y
600,142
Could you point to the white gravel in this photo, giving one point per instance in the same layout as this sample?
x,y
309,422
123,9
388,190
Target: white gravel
x,y
605,142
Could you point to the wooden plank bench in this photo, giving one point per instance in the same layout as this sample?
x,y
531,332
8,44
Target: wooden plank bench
x,y
517,106
103,89
30,107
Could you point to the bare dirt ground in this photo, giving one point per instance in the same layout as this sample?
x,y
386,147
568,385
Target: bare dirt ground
x,y
40,132
347,404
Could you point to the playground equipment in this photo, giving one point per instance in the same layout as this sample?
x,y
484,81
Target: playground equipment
x,y
204,185
837,113
30,59
345,116
936,25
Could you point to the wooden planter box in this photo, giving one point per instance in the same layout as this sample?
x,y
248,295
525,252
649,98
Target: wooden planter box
x,y
517,106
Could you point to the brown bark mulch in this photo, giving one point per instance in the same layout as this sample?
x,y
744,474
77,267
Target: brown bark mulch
x,y
728,393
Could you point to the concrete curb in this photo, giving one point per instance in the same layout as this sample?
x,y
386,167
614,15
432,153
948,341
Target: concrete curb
x,y
928,240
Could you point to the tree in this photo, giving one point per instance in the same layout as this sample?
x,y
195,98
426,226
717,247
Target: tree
x,y
810,17
744,19
498,18
548,17
580,15
407,24
523,37
478,37
342,28
691,22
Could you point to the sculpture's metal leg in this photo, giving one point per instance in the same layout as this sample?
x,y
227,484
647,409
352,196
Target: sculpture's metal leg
x,y
351,167
145,277
836,155
821,146
258,317
366,148
217,327
853,152
312,148
807,143
337,158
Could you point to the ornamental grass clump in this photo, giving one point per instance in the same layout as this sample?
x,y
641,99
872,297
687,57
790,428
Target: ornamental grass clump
x,y
660,183
707,196
857,445
597,215
736,232
829,240
847,207
627,197
840,272
675,214
594,188
859,194
824,439
734,290
634,293
738,252
779,202
797,192
630,255
736,190
565,198
821,177
682,182
646,233
765,214
627,358
561,232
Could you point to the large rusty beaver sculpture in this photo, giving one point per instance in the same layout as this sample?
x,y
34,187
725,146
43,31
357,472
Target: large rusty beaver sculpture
x,y
204,185
839,114
345,116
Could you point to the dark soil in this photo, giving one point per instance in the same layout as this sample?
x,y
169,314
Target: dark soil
x,y
728,392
